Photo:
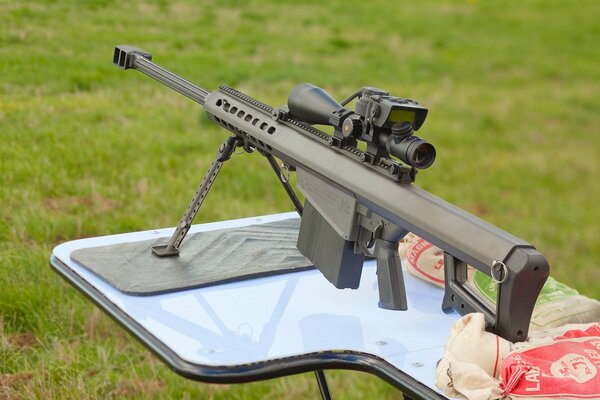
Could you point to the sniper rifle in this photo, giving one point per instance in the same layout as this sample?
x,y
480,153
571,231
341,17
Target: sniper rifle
x,y
361,202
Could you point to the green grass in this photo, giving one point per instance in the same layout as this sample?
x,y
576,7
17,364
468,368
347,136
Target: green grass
x,y
86,150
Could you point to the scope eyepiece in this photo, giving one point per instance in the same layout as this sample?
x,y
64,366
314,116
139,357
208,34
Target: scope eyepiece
x,y
411,149
415,152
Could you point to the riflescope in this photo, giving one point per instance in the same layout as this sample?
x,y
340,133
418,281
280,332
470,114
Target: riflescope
x,y
385,123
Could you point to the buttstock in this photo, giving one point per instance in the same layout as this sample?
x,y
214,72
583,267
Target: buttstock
x,y
520,279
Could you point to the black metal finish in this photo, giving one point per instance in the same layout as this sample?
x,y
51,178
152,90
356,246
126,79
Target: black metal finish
x,y
323,387
286,184
343,178
375,121
223,154
332,254
249,372
392,295
126,57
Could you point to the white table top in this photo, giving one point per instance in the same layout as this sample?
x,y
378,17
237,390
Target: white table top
x,y
281,316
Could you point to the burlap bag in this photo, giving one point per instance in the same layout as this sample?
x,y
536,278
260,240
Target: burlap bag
x,y
556,363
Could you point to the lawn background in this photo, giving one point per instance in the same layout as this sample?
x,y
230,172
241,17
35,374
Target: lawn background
x,y
86,149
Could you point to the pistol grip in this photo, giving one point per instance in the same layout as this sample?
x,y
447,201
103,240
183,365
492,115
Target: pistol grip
x,y
390,280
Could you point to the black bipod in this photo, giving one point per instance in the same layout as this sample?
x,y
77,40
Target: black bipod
x,y
284,179
223,154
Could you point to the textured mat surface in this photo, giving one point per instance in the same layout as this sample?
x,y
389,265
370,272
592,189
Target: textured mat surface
x,y
205,259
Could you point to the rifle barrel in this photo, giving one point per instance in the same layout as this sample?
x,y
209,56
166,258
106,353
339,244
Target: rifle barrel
x,y
127,57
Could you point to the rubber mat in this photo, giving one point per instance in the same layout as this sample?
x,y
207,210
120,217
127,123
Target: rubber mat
x,y
206,258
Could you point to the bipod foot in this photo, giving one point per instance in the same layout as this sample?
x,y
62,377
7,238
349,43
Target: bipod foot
x,y
165,250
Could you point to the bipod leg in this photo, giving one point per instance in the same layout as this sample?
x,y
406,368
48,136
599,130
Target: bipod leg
x,y
322,382
223,154
286,184
319,374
